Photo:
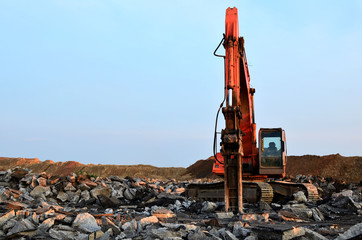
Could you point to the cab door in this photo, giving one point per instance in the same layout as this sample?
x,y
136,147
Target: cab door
x,y
272,152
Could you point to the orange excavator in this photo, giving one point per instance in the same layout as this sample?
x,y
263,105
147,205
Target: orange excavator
x,y
247,170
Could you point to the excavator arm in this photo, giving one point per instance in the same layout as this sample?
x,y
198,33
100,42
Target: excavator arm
x,y
236,113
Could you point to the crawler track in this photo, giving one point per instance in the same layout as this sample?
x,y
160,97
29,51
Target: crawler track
x,y
253,192
288,188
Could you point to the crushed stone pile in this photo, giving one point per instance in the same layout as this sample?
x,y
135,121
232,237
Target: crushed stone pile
x,y
76,206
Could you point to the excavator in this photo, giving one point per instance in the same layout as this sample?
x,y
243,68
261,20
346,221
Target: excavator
x,y
248,171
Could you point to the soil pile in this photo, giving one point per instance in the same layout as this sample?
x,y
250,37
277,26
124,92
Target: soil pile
x,y
201,168
348,169
66,168
335,166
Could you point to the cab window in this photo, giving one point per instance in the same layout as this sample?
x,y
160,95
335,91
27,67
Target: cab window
x,y
271,149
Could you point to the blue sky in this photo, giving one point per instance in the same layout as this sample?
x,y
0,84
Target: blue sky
x,y
135,82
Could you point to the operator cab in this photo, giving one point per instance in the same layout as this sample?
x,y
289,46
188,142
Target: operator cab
x,y
272,152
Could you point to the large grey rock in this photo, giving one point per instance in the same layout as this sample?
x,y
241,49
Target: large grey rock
x,y
35,218
224,215
309,234
62,196
130,228
239,230
354,205
306,213
68,219
106,191
300,197
117,193
3,196
230,236
263,206
147,221
214,234
74,196
220,233
276,206
277,231
116,178
83,187
25,195
302,212
69,187
122,235
177,206
22,226
107,202
224,234
250,238
6,217
211,236
354,232
63,228
162,233
46,224
345,193
346,203
66,235
9,224
85,195
198,234
42,181
130,193
40,192
86,223
208,206
107,235
331,187
175,226
108,224
317,215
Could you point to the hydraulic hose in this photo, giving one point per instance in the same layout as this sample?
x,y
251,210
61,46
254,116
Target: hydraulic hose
x,y
215,132
218,111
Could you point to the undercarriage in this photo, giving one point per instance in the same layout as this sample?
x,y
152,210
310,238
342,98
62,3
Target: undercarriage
x,y
254,192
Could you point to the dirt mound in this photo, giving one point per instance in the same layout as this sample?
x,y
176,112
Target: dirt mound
x,y
342,168
347,169
335,166
201,168
66,168
7,163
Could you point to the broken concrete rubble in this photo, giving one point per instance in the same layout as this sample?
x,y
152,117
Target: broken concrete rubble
x,y
300,197
277,231
355,232
39,206
86,223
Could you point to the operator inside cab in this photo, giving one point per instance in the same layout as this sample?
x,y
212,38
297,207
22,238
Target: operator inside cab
x,y
272,150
